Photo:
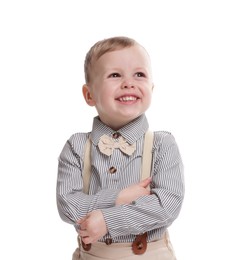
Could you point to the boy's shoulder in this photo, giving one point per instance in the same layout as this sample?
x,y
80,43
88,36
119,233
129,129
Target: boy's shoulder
x,y
80,136
163,138
78,140
162,134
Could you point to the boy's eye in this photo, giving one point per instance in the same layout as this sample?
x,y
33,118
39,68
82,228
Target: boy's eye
x,y
114,75
140,74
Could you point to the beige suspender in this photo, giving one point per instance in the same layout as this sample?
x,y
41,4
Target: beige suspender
x,y
87,166
146,170
146,160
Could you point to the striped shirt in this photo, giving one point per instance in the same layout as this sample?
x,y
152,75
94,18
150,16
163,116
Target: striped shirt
x,y
150,213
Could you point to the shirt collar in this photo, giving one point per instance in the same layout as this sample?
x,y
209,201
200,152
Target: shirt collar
x,y
132,132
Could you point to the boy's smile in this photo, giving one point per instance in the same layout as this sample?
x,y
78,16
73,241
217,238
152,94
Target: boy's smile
x,y
127,99
121,85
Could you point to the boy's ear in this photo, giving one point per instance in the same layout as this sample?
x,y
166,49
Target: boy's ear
x,y
87,95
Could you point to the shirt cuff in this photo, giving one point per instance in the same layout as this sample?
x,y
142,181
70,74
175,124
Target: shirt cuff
x,y
115,221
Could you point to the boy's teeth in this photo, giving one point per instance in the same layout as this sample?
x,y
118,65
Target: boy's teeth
x,y
127,98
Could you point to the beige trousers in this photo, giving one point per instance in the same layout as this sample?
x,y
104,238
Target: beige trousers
x,y
158,250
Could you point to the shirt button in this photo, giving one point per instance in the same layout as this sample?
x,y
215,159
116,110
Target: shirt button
x,y
116,135
112,170
108,241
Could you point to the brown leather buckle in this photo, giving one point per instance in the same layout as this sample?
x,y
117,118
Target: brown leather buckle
x,y
86,247
139,245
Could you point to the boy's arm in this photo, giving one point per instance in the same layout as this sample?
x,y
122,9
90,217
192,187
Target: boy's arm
x,y
93,225
72,203
160,208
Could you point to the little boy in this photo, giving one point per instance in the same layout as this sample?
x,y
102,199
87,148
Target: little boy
x,y
119,217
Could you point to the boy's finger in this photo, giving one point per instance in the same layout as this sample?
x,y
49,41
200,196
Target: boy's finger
x,y
146,182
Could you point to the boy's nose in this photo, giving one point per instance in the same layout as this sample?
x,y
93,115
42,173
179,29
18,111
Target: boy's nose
x,y
127,84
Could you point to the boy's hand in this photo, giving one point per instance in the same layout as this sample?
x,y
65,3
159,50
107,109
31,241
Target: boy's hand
x,y
133,192
92,227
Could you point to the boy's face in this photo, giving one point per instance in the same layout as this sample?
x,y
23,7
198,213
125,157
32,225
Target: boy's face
x,y
121,86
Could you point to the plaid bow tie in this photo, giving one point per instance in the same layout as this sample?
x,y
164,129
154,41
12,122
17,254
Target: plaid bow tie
x,y
107,145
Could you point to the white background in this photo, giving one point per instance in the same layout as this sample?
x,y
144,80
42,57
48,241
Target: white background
x,y
42,50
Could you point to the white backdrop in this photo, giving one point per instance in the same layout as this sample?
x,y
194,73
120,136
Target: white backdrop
x,y
42,48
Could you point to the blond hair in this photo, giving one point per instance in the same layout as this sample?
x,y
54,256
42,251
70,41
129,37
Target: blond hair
x,y
102,47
